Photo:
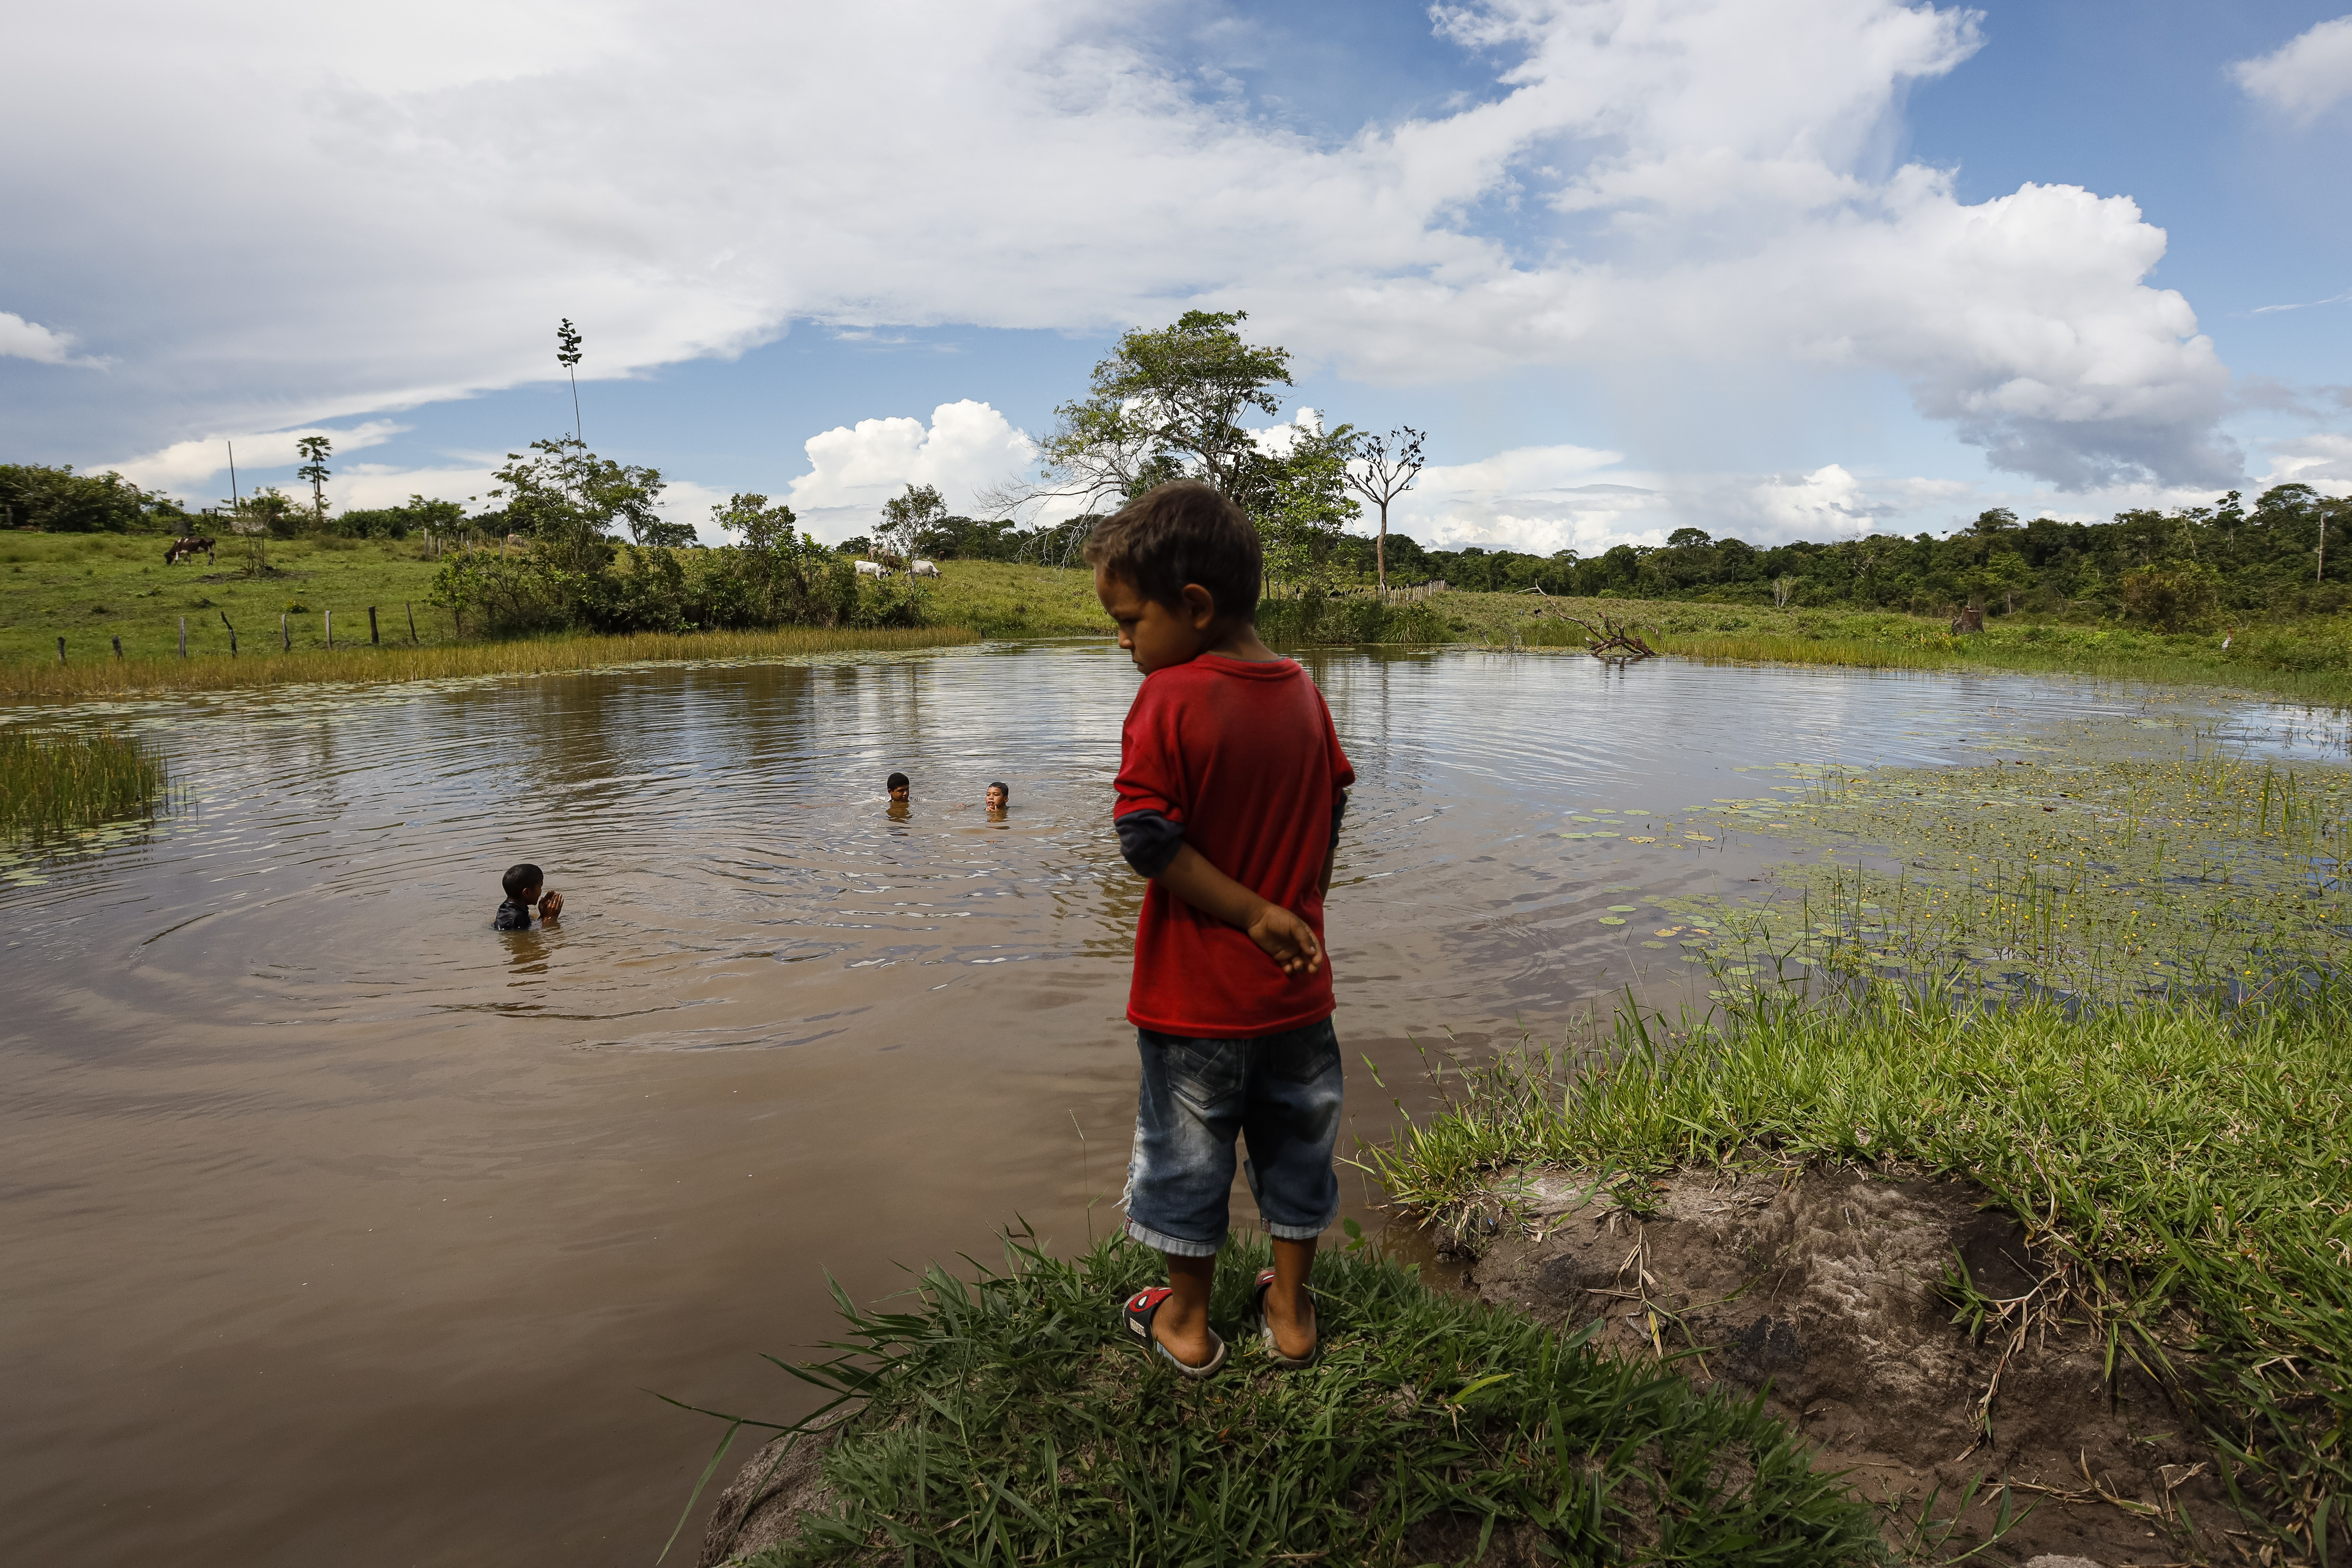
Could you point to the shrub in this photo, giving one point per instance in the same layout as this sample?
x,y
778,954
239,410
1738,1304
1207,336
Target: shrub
x,y
2173,596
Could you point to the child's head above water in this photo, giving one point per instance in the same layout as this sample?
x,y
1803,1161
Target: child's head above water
x,y
1178,569
524,886
897,786
1000,795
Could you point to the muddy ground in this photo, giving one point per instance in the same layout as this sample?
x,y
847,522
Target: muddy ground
x,y
1821,1288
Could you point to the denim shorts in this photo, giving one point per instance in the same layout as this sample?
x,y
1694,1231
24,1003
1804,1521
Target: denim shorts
x,y
1281,1092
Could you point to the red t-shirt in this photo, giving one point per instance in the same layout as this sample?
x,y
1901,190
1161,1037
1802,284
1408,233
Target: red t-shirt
x,y
1244,756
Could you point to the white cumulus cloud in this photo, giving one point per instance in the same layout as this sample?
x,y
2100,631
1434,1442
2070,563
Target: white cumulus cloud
x,y
21,338
1700,181
967,447
2308,75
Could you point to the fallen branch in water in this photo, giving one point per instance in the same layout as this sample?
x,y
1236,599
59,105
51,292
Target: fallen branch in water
x,y
1612,641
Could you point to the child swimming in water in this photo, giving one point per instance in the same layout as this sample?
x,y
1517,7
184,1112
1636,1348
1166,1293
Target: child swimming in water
x,y
524,886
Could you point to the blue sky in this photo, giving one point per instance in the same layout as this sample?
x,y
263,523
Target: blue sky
x,y
1775,268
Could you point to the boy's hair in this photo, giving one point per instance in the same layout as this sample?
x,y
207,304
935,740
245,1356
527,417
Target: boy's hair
x,y
895,781
1178,532
520,879
1000,783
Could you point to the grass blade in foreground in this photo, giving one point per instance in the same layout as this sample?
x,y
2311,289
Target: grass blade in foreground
x,y
2193,1161
1010,1421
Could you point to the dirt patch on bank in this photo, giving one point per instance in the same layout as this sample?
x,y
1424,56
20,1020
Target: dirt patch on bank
x,y
781,1484
1822,1287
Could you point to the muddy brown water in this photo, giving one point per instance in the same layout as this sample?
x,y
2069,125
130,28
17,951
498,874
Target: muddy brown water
x,y
337,1226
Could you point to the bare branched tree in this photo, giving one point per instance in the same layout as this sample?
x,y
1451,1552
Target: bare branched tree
x,y
1391,464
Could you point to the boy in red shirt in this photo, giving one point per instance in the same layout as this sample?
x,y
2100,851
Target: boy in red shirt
x,y
1231,786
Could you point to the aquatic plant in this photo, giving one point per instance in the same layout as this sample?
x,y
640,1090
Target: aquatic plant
x,y
52,784
394,662
2186,1164
1008,1419
2081,877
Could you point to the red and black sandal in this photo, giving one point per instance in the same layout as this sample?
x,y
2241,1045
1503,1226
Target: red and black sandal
x,y
1144,1306
1266,1330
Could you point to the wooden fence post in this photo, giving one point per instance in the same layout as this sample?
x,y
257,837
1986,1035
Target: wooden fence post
x,y
61,650
118,647
371,637
232,634
285,635
331,630
411,608
184,636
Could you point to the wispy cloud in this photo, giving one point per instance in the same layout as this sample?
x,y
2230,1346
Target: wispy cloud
x,y
21,338
2306,76
2345,297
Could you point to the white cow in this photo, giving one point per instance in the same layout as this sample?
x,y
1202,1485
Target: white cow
x,y
924,569
868,568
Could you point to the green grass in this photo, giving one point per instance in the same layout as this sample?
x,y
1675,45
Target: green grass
x,y
92,587
1009,1420
398,662
2187,1162
1000,600
51,785
2309,660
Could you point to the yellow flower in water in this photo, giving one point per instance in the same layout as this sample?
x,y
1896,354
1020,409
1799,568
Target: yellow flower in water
x,y
1638,839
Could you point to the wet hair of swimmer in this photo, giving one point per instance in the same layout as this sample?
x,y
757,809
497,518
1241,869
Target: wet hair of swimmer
x,y
520,879
895,781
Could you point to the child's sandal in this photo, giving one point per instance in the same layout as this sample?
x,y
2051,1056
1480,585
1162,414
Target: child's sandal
x,y
1144,1306
1266,1330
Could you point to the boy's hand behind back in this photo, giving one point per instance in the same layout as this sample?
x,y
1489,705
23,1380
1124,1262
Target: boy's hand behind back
x,y
1286,939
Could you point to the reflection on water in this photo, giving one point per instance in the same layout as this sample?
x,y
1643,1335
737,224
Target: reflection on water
x,y
338,1225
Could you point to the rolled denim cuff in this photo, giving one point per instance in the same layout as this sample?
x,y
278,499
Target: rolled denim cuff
x,y
1298,1232
1175,1246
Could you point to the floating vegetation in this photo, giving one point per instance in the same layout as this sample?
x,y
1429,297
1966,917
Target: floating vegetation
x,y
2077,877
54,786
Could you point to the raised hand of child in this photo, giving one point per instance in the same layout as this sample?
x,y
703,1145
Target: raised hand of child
x,y
550,906
1286,939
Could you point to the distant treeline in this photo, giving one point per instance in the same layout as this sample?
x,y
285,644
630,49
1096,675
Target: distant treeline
x,y
975,539
2286,555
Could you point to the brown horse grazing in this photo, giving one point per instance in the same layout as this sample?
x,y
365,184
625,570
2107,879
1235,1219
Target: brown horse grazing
x,y
185,550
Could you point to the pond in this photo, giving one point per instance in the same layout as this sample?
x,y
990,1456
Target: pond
x,y
340,1227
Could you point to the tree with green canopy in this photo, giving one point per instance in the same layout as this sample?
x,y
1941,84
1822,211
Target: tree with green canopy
x,y
315,451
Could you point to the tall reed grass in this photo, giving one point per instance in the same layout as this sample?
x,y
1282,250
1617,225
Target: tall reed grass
x,y
51,785
392,661
2188,1161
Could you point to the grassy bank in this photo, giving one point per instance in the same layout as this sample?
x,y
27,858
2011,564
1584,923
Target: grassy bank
x,y
1009,1421
394,662
52,784
2185,1163
91,588
2308,661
